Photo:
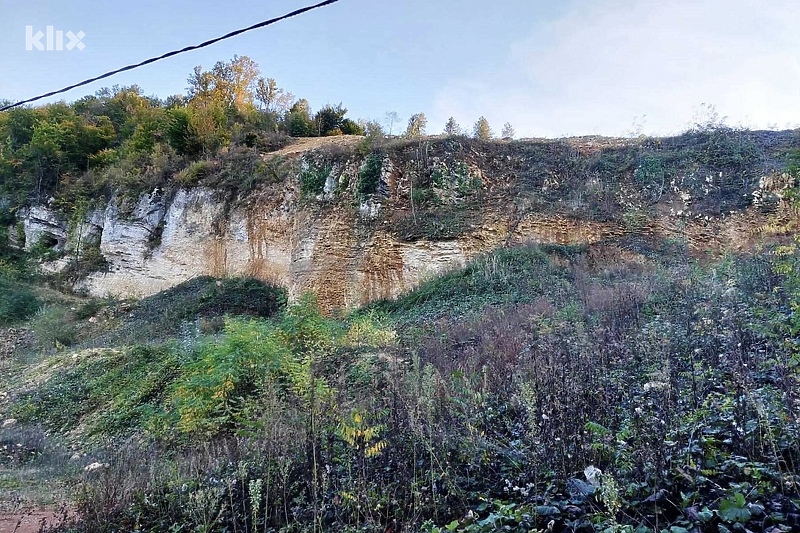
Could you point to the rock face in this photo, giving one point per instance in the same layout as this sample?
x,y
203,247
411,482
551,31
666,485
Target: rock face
x,y
44,226
160,246
350,248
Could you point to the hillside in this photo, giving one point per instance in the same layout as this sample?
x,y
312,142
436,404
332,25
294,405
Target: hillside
x,y
538,388
352,220
357,333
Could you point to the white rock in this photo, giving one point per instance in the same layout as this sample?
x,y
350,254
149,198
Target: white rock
x,y
95,466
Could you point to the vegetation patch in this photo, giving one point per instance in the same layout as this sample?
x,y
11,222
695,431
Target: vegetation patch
x,y
313,178
157,317
17,302
533,389
512,275
369,175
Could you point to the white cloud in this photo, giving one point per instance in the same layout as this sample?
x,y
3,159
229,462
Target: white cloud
x,y
605,62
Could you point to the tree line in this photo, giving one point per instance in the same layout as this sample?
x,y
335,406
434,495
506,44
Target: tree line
x,y
44,149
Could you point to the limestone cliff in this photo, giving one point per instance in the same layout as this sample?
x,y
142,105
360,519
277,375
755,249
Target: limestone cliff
x,y
435,204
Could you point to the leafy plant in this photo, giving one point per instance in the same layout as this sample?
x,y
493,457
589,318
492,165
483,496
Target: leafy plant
x,y
17,301
369,175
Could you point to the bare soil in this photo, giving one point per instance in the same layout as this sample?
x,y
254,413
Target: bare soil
x,y
29,521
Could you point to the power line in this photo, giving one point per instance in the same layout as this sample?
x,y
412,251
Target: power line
x,y
174,53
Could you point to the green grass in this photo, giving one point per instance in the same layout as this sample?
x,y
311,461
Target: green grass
x,y
506,276
526,366
161,316
18,302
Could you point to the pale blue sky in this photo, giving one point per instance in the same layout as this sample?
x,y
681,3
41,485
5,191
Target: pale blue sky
x,y
550,68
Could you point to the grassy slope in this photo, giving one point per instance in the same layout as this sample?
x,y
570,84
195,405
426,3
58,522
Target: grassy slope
x,y
526,367
505,380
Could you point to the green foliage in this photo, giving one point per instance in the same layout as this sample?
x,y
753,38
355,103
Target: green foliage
x,y
729,150
117,389
161,316
195,172
54,327
452,128
17,301
299,124
350,127
179,133
793,168
481,130
416,125
119,142
514,275
215,383
313,177
734,509
528,391
436,224
206,390
652,176
241,170
369,175
330,119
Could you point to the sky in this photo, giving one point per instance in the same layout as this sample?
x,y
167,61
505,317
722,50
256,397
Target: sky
x,y
551,69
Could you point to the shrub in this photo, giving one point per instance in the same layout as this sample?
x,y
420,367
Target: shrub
x,y
54,327
313,178
89,309
195,172
271,142
369,175
162,315
349,127
514,275
17,302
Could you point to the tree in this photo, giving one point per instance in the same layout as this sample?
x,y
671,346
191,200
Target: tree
x,y
299,121
391,119
207,124
179,133
482,130
416,125
231,85
272,98
452,127
350,127
508,131
372,129
329,119
220,96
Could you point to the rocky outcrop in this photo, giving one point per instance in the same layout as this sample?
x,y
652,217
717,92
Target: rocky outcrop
x,y
326,252
345,247
44,226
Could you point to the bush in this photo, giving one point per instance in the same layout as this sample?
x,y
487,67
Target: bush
x,y
90,309
369,175
272,142
241,170
514,275
17,302
157,317
313,178
195,172
54,327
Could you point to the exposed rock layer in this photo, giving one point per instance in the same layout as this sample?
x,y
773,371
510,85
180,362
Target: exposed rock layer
x,y
344,247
